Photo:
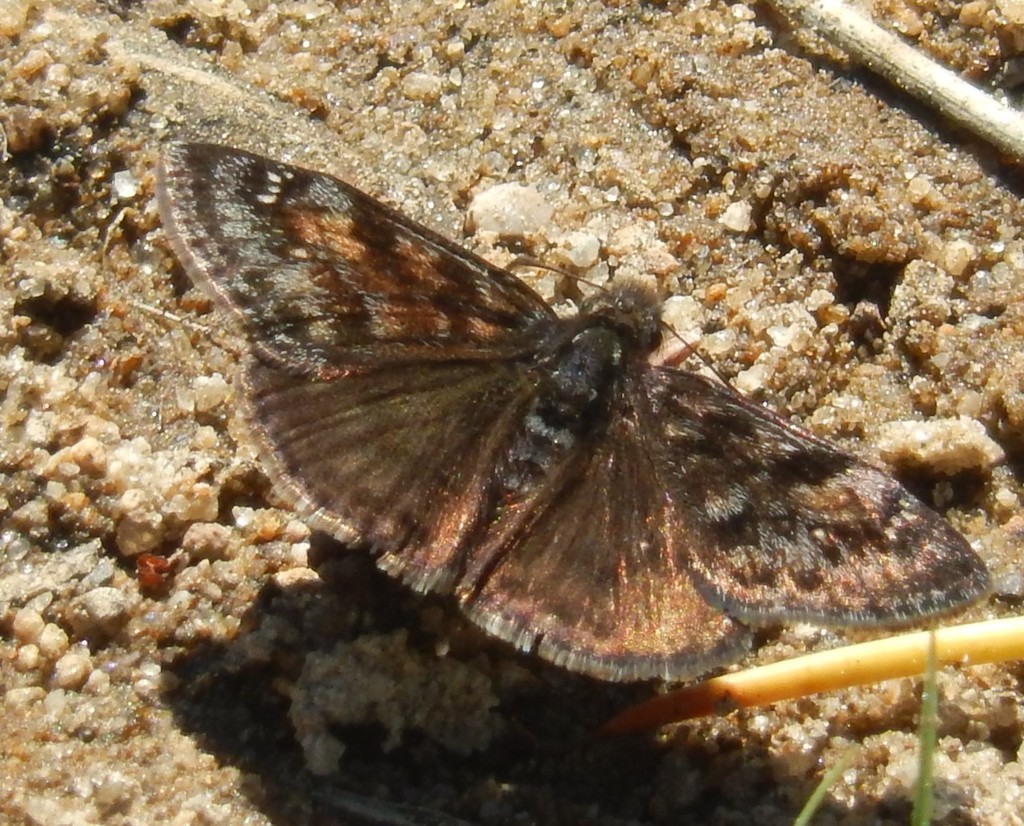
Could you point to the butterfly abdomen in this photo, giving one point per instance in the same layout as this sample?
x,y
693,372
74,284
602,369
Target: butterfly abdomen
x,y
577,382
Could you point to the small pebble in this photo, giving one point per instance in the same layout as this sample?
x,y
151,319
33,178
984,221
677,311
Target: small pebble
x,y
582,249
736,217
102,574
98,682
28,625
125,185
422,86
72,670
53,641
946,446
90,454
210,392
24,696
199,504
958,256
140,532
295,578
511,210
206,540
106,607
27,658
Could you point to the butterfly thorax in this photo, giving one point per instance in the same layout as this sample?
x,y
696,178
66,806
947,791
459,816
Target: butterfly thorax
x,y
580,378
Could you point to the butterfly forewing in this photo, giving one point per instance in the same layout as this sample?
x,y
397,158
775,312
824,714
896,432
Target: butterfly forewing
x,y
618,518
795,528
325,278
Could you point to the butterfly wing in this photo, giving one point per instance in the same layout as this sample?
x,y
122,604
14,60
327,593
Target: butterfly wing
x,y
582,571
401,458
386,365
777,524
326,280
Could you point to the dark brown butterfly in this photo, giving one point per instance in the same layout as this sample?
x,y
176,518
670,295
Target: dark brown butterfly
x,y
619,518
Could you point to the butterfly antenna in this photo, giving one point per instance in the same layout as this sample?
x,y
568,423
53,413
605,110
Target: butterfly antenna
x,y
678,350
534,263
675,353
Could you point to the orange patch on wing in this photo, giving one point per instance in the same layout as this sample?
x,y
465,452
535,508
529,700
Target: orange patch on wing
x,y
335,231
421,263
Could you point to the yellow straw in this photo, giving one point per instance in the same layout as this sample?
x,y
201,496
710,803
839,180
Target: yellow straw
x,y
902,656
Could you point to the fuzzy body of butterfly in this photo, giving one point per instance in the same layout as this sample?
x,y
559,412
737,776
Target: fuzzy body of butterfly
x,y
620,518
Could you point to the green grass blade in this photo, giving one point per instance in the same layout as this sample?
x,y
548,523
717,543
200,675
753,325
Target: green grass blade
x,y
829,778
926,739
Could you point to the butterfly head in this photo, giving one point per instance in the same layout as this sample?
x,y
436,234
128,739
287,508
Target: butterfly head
x,y
632,309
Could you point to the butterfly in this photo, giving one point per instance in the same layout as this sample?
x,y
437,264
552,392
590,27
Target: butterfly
x,y
619,517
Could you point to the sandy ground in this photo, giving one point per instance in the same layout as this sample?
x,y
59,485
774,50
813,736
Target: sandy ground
x,y
837,251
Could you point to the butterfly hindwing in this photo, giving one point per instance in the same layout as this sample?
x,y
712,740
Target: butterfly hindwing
x,y
400,459
587,575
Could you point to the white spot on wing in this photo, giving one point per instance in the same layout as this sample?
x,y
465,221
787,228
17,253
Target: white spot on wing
x,y
725,506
